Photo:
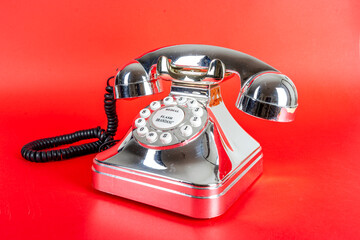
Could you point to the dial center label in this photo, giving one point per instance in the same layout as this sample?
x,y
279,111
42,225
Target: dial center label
x,y
168,117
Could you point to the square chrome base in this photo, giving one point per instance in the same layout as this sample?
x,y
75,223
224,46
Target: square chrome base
x,y
197,201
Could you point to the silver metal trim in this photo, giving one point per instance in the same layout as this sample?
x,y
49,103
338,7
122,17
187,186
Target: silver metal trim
x,y
175,182
181,193
215,70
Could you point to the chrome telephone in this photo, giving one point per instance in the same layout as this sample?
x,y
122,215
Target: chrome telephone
x,y
186,153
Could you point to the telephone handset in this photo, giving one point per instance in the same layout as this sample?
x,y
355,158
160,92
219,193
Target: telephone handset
x,y
186,153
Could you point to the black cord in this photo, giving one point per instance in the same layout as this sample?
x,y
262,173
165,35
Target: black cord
x,y
32,151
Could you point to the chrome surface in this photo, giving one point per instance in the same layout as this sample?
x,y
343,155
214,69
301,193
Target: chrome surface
x,y
191,175
198,91
270,96
205,160
194,163
215,70
133,81
196,63
170,195
217,195
200,179
255,155
194,55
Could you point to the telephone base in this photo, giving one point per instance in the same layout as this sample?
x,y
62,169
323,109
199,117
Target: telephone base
x,y
201,177
207,199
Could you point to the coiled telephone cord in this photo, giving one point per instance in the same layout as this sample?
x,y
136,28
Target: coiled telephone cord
x,y
34,151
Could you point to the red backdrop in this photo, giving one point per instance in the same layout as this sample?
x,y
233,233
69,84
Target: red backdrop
x,y
55,57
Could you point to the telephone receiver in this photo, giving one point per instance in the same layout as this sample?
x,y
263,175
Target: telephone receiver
x,y
186,153
265,92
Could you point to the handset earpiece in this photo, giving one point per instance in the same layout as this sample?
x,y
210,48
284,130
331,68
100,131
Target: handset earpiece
x,y
269,95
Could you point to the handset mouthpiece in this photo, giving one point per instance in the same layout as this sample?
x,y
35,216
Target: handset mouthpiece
x,y
133,81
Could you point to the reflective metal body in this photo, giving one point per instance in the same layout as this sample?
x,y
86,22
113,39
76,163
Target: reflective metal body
x,y
201,177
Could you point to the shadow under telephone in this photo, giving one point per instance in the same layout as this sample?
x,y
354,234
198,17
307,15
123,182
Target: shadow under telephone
x,y
184,153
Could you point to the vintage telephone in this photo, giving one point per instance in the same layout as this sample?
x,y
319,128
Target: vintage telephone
x,y
184,153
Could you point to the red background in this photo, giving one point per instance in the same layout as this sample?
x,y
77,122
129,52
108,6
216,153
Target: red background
x,y
55,57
